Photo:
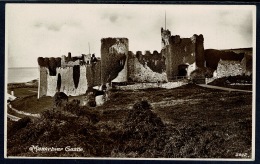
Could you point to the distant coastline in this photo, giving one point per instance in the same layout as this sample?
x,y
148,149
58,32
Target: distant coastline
x,y
22,67
22,74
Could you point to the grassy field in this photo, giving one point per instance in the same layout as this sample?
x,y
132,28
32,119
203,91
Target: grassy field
x,y
185,122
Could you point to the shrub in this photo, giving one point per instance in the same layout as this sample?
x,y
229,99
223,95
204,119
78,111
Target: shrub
x,y
142,131
59,99
22,123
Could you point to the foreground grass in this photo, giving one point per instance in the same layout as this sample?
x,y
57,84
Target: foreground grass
x,y
185,122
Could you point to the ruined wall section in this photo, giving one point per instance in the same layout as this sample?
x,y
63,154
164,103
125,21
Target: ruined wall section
x,y
93,74
113,54
230,68
137,72
69,61
122,75
71,75
42,84
248,53
67,82
155,61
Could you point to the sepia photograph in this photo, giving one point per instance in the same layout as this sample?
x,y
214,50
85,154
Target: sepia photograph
x,y
130,81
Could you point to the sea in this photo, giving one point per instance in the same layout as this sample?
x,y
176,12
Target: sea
x,y
22,74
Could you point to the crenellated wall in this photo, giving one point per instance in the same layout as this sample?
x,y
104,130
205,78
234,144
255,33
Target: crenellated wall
x,y
155,61
73,80
137,72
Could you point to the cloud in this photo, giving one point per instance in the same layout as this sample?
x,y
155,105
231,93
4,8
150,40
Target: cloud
x,y
54,30
55,26
115,17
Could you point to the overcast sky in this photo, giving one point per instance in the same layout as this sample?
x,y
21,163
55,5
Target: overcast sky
x,y
50,30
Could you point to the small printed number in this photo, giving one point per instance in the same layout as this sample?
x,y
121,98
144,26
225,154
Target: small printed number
x,y
242,155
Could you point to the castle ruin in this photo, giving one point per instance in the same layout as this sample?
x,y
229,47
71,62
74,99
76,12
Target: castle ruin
x,y
71,75
179,57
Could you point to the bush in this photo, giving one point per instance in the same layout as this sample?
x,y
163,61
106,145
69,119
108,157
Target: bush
x,y
22,123
59,99
81,111
142,132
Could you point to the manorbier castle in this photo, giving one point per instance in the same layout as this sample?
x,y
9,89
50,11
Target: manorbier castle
x,y
74,75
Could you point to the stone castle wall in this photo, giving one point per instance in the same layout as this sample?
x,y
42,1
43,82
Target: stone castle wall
x,y
155,61
73,75
67,82
42,88
179,52
199,50
137,72
113,54
73,80
230,68
93,74
183,51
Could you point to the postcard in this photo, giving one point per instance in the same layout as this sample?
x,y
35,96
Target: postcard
x,y
130,81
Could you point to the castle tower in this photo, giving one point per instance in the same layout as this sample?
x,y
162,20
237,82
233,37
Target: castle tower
x,y
183,55
200,57
113,54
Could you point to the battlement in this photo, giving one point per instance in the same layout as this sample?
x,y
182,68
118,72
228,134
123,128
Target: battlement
x,y
69,61
66,61
155,61
168,39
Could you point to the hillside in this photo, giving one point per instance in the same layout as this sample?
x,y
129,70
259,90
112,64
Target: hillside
x,y
185,122
213,56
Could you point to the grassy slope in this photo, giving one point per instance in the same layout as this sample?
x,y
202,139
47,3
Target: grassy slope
x,y
23,92
225,82
199,122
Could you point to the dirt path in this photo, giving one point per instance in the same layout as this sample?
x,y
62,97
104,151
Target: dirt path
x,y
12,117
223,88
33,91
23,113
